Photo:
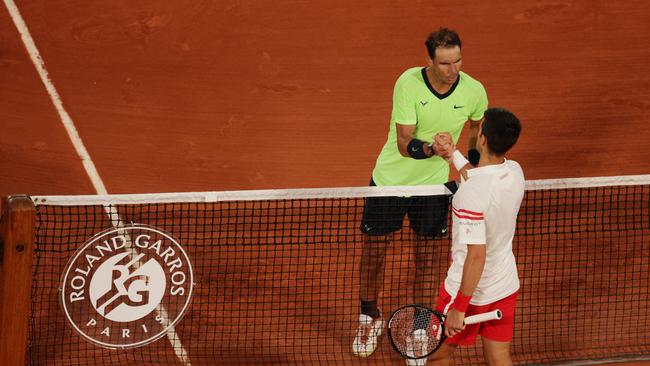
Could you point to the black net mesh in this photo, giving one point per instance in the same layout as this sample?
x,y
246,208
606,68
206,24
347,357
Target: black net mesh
x,y
277,281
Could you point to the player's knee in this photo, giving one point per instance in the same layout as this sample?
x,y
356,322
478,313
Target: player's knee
x,y
442,357
498,357
375,239
374,247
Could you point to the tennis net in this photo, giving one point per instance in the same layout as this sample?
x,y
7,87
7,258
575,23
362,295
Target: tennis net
x,y
275,275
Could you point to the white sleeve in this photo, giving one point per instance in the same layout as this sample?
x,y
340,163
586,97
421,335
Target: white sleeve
x,y
469,209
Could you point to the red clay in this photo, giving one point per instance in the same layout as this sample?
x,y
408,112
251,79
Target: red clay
x,y
192,96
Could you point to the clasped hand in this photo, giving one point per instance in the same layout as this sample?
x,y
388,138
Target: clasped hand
x,y
454,322
443,145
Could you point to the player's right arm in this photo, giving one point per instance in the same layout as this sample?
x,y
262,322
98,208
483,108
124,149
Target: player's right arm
x,y
404,116
444,144
404,141
461,163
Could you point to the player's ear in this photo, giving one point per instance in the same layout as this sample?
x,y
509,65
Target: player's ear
x,y
482,140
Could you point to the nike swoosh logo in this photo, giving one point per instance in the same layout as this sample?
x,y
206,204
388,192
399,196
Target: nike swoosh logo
x,y
414,149
458,106
424,103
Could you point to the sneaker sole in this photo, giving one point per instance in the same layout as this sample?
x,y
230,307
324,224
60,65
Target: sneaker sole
x,y
368,354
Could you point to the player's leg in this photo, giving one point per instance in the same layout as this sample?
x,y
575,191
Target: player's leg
x,y
497,353
497,334
381,217
371,272
442,357
428,216
425,263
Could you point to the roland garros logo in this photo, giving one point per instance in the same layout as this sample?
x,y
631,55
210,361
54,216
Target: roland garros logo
x,y
127,287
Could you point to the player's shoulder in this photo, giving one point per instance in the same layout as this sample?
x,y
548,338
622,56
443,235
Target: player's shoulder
x,y
473,190
414,74
466,78
479,182
470,83
516,168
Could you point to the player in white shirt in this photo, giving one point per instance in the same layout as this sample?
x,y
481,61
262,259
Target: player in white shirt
x,y
483,274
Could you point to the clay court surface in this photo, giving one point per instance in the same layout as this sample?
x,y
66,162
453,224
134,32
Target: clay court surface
x,y
172,96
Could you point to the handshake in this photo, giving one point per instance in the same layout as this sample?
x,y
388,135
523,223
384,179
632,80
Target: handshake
x,y
443,145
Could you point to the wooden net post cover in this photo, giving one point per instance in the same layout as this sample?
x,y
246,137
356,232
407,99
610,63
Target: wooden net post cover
x,y
16,252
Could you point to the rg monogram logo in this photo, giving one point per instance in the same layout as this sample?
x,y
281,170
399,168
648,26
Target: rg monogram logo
x,y
125,287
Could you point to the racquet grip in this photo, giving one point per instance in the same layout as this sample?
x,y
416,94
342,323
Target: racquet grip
x,y
492,315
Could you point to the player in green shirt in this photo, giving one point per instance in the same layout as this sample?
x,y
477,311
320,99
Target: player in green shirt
x,y
426,101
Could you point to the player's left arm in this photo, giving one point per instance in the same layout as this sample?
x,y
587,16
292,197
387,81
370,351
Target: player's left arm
x,y
475,119
472,271
461,163
468,209
473,132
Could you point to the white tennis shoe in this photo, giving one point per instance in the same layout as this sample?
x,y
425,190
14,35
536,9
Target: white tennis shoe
x,y
367,337
416,345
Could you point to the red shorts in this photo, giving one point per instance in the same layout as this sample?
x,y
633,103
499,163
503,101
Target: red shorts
x,y
497,330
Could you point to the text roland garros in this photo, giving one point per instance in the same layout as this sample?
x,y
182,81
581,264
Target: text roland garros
x,y
127,286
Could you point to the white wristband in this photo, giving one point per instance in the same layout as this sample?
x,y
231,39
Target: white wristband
x,y
459,160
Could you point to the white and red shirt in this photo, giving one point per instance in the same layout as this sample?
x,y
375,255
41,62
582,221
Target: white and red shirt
x,y
484,211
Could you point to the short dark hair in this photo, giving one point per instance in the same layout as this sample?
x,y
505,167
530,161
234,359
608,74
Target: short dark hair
x,y
443,37
501,128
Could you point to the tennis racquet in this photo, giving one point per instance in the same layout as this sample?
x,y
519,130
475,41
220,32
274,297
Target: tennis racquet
x,y
417,331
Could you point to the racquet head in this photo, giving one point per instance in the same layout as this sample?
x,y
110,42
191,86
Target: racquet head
x,y
416,331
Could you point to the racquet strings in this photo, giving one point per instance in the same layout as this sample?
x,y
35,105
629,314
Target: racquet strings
x,y
415,331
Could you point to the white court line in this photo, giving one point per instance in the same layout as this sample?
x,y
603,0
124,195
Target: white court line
x,y
87,162
54,96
